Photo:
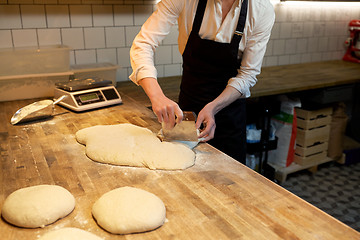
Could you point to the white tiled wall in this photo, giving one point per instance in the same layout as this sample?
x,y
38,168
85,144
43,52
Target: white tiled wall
x,y
309,32
103,30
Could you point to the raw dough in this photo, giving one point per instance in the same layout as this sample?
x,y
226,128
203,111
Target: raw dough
x,y
129,210
130,145
37,206
69,234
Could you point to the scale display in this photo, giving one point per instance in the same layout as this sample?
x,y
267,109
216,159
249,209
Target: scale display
x,y
88,99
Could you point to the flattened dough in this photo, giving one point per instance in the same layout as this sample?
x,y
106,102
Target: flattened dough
x,y
37,206
129,210
131,145
69,234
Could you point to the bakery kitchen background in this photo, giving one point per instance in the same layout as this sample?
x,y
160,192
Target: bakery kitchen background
x,y
102,31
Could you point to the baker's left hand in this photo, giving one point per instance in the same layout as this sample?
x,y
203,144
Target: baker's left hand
x,y
206,117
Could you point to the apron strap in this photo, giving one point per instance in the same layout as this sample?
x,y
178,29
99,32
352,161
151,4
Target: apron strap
x,y
239,28
241,24
235,41
199,16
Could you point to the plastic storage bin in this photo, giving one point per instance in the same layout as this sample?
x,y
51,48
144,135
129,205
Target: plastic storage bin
x,y
34,60
106,71
30,86
31,72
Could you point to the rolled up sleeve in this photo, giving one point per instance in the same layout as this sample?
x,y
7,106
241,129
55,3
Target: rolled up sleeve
x,y
254,51
153,31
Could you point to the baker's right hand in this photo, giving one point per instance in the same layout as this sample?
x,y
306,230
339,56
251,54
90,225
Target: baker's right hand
x,y
167,111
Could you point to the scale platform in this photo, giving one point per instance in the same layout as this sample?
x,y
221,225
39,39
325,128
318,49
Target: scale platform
x,y
87,94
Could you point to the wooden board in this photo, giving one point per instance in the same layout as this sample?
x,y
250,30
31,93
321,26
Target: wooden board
x,y
313,159
272,80
282,172
306,151
306,76
307,138
309,124
313,114
218,198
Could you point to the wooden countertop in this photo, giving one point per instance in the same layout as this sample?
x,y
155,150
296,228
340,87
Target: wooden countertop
x,y
272,80
218,198
306,76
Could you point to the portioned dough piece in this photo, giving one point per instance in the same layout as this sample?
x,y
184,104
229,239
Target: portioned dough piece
x,y
131,145
37,206
129,210
69,234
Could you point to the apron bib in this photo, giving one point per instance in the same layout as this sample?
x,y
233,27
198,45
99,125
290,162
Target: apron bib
x,y
207,68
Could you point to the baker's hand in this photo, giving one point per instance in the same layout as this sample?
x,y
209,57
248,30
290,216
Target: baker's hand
x,y
167,111
206,118
207,114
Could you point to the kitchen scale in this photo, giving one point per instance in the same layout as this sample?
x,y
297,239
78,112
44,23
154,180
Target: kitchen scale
x,y
87,94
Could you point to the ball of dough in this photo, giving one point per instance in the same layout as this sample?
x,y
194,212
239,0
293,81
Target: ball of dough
x,y
129,210
130,145
37,206
69,234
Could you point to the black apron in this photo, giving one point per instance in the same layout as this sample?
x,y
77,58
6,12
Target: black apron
x,y
207,68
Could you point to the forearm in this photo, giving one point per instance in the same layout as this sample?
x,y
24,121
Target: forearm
x,y
228,96
151,88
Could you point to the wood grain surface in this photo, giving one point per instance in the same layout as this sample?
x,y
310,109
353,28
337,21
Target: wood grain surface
x,y
305,76
272,80
218,198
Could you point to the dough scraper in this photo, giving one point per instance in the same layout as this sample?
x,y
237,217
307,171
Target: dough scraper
x,y
37,110
184,131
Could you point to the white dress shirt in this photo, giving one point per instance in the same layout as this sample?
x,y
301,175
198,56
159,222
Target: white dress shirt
x,y
259,22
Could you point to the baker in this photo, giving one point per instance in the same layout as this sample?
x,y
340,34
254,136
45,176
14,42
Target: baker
x,y
222,43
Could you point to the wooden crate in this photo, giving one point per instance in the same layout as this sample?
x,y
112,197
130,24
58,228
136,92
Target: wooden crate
x,y
312,160
307,151
313,131
313,114
313,123
306,138
308,119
